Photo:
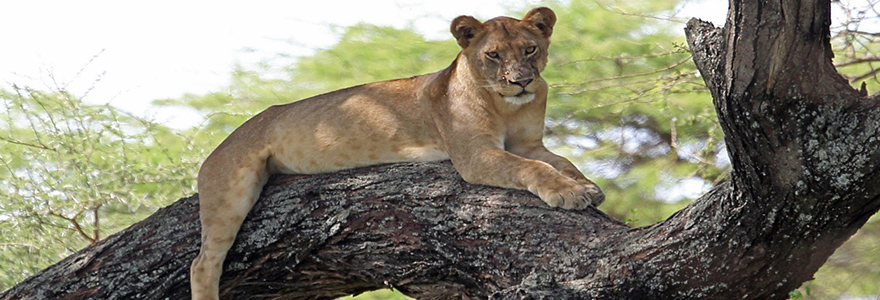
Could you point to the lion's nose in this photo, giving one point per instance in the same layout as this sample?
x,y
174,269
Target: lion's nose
x,y
521,82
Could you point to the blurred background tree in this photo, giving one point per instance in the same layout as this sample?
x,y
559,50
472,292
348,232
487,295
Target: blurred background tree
x,y
74,173
626,105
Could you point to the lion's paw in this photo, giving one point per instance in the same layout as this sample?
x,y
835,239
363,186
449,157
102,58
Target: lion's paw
x,y
570,194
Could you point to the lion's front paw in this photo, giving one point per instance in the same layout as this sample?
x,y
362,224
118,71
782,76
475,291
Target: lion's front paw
x,y
570,194
594,193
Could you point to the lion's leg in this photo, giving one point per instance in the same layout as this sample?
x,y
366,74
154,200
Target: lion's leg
x,y
225,198
496,167
537,151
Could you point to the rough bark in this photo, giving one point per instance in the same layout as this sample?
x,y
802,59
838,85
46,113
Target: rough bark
x,y
803,144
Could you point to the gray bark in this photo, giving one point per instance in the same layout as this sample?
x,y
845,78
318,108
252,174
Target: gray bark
x,y
803,144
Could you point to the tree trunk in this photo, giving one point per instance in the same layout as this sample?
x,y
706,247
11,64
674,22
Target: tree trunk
x,y
803,144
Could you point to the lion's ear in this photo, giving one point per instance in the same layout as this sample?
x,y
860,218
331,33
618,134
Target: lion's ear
x,y
465,29
542,18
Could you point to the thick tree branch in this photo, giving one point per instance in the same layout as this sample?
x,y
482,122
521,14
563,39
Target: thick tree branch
x,y
415,227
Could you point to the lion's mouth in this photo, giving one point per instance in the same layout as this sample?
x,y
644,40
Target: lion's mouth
x,y
522,92
521,98
516,95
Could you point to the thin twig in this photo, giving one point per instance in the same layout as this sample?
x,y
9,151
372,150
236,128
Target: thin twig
x,y
76,225
627,76
866,75
857,61
40,146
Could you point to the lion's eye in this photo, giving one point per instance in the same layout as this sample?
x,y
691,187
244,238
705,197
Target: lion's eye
x,y
492,54
531,49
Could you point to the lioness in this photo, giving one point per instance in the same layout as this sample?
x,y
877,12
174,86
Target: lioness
x,y
485,112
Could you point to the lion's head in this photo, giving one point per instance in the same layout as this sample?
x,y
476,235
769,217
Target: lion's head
x,y
508,54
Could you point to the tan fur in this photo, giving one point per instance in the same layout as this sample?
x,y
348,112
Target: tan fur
x,y
474,112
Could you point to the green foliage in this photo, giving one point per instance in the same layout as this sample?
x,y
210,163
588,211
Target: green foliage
x,y
368,53
74,173
800,293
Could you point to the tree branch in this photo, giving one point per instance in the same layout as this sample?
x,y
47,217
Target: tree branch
x,y
415,227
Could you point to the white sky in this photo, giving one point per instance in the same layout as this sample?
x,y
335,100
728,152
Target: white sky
x,y
146,50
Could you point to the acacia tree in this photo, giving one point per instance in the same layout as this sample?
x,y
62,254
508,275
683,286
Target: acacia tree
x,y
803,144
